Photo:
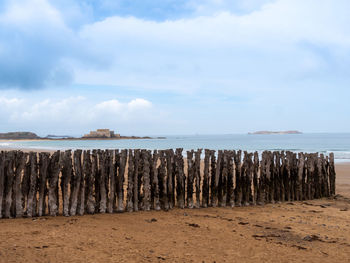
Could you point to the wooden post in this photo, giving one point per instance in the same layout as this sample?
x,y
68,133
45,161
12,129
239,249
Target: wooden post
x,y
180,178
146,181
213,189
31,202
205,188
2,180
102,181
247,179
120,180
326,175
20,163
89,179
154,182
130,190
44,159
55,165
162,177
75,183
269,177
332,175
197,178
224,180
170,176
218,178
111,182
262,180
136,179
66,180
238,188
299,185
230,180
255,177
9,177
190,179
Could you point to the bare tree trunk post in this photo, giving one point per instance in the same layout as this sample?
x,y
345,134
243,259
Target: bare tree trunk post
x,y
170,175
31,203
111,182
190,179
155,182
255,177
89,183
102,181
238,188
162,177
230,180
76,180
197,165
180,178
120,180
269,177
66,180
146,181
94,188
136,180
205,188
332,175
299,186
43,170
248,180
9,178
20,163
2,180
130,190
81,192
213,190
224,176
262,180
55,165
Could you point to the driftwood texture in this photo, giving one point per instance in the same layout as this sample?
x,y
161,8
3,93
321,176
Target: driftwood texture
x,y
95,181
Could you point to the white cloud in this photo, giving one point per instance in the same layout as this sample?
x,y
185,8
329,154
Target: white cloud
x,y
74,113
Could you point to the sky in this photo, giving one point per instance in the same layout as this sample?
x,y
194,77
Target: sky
x,y
162,67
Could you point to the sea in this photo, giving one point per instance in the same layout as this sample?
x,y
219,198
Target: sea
x,y
339,143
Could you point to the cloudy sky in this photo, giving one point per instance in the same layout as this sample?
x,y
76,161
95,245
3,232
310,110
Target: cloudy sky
x,y
149,67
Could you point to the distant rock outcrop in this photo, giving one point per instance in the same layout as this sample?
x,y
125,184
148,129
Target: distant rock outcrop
x,y
276,132
18,135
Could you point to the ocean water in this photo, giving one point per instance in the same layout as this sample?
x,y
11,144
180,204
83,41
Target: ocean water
x,y
339,143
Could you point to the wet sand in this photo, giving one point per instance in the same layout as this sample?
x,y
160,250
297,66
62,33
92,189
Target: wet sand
x,y
308,231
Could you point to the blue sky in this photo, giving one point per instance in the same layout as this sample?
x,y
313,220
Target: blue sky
x,y
174,67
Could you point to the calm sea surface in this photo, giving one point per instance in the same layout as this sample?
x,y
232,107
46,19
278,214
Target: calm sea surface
x,y
339,143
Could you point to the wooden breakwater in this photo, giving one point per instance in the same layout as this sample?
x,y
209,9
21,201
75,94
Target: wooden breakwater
x,y
107,181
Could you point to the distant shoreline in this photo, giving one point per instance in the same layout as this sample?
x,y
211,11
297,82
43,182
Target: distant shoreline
x,y
274,132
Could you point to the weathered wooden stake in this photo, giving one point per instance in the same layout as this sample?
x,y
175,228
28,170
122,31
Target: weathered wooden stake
x,y
205,187
31,202
2,180
66,180
44,159
130,190
120,179
75,183
162,178
20,163
154,182
146,181
197,177
102,181
190,178
112,182
54,170
213,189
238,184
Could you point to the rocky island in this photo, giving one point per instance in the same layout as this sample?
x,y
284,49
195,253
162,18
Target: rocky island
x,y
99,134
274,132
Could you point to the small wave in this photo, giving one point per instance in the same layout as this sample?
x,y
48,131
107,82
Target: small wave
x,y
4,144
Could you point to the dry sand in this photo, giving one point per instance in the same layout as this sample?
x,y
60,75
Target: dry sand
x,y
312,231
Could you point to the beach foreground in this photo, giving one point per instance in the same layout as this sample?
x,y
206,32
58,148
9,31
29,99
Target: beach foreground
x,y
312,231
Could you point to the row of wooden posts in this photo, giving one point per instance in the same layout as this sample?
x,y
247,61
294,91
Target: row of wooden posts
x,y
100,181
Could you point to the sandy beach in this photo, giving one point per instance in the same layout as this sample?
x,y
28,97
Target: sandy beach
x,y
310,231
